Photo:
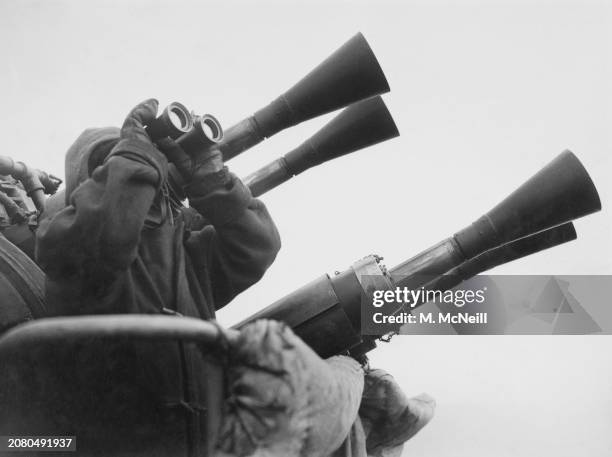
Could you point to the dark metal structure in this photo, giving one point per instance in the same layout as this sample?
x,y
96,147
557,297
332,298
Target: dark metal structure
x,y
326,313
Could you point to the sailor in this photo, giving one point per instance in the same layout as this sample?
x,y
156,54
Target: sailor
x,y
121,246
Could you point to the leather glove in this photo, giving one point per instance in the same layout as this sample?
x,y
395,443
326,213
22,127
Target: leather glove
x,y
141,115
134,141
201,172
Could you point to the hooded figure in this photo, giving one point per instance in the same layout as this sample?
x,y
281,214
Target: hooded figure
x,y
122,245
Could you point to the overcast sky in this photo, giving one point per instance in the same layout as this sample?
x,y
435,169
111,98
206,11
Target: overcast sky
x,y
484,94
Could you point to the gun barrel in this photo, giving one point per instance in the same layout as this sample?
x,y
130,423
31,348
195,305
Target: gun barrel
x,y
362,124
517,249
268,177
350,74
560,192
326,313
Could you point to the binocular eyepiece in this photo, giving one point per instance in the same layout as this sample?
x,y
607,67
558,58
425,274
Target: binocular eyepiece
x,y
205,133
174,121
192,132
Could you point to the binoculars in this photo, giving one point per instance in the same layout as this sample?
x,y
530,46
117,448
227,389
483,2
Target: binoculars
x,y
194,133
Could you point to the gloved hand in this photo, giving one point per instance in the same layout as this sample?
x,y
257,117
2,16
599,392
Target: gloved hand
x,y
141,115
389,418
134,141
198,172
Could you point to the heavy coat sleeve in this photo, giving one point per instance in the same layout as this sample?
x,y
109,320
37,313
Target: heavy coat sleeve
x,y
97,235
241,242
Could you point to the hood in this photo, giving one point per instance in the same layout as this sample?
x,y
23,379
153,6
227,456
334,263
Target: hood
x,y
87,152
